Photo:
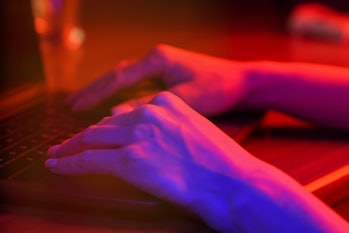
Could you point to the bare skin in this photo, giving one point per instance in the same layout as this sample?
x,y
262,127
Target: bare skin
x,y
166,141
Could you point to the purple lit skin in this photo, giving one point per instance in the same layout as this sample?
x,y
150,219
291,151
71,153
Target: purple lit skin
x,y
185,159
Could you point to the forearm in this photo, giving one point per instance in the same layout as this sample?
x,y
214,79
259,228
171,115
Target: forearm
x,y
280,204
268,201
315,93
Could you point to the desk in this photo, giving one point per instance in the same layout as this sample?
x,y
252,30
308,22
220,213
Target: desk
x,y
295,147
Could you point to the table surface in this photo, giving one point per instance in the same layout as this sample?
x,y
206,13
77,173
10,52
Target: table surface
x,y
299,149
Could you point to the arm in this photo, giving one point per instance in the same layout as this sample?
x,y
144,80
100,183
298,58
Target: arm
x,y
316,93
267,200
172,148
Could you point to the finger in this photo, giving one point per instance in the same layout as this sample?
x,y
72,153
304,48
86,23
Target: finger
x,y
100,137
124,163
126,118
170,100
124,75
164,99
94,93
130,105
86,162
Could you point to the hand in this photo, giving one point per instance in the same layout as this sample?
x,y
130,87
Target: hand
x,y
209,85
167,149
165,142
163,147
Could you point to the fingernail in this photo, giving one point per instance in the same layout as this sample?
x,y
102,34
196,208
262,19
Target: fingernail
x,y
51,163
52,151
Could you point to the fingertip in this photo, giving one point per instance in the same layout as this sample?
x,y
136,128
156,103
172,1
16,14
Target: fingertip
x,y
51,163
52,151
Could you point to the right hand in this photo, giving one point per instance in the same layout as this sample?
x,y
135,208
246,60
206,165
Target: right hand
x,y
208,84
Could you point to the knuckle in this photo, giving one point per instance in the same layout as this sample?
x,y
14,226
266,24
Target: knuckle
x,y
160,49
104,120
132,154
125,158
141,132
85,136
84,159
162,98
160,53
147,112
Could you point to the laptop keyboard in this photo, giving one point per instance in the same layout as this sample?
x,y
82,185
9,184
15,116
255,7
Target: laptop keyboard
x,y
26,137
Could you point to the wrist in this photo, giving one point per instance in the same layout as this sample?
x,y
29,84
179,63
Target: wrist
x,y
211,202
215,196
254,199
259,82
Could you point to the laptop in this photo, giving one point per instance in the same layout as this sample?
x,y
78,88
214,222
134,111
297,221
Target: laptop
x,y
33,118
